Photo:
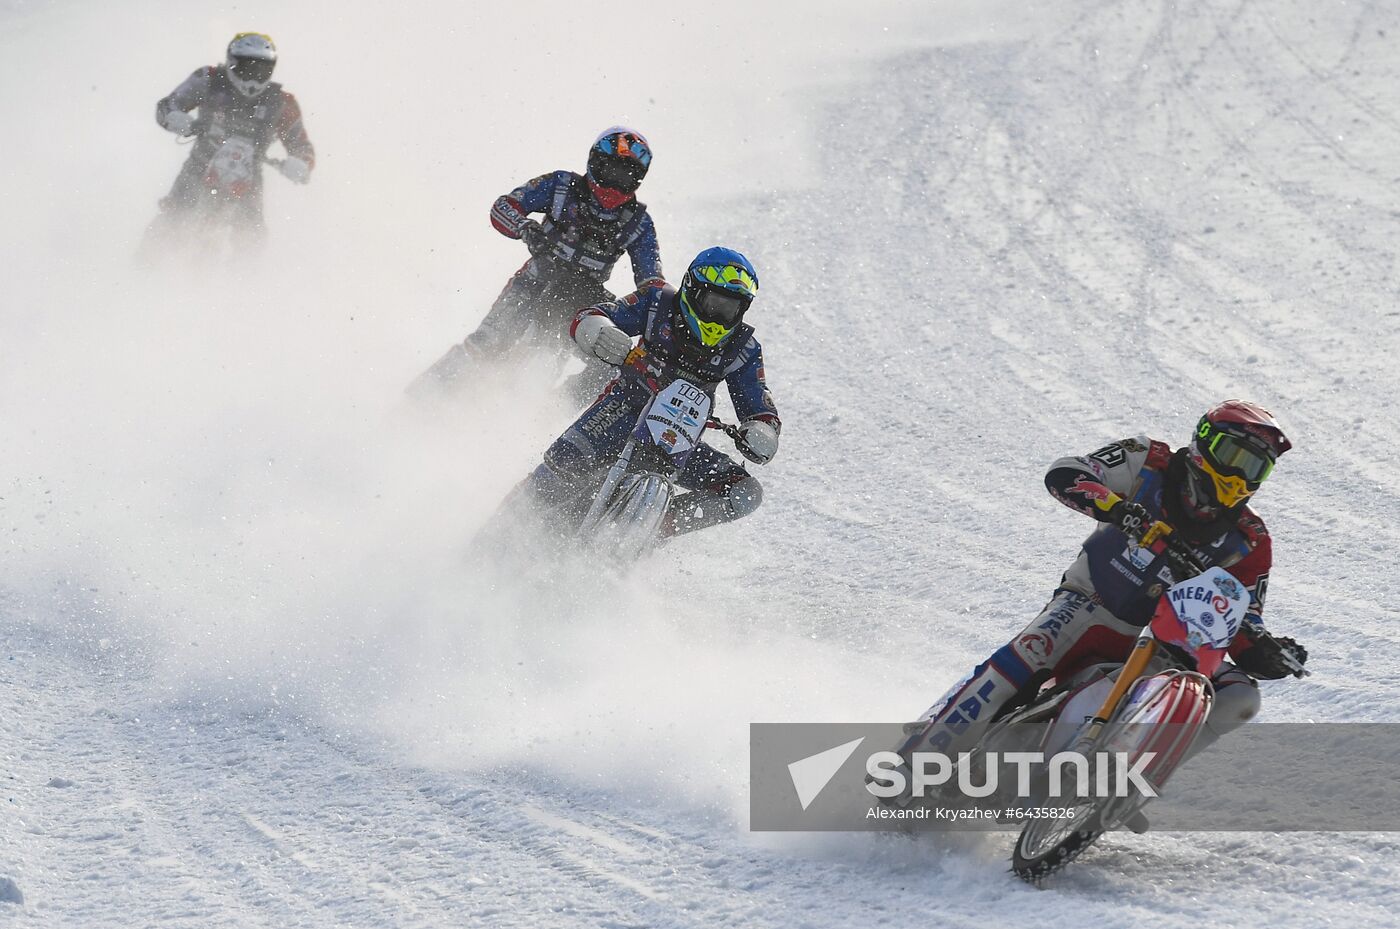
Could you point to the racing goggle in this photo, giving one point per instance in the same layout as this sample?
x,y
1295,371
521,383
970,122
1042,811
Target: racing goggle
x,y
624,174
1236,467
1230,454
712,312
253,69
625,145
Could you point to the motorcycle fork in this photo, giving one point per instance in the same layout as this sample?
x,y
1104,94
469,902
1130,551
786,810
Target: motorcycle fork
x,y
604,495
1144,649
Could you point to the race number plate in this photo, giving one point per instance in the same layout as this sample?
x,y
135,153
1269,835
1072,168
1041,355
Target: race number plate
x,y
232,166
1211,606
677,416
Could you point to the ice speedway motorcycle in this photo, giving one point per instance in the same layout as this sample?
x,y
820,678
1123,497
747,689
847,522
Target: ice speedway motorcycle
x,y
1144,713
619,512
627,511
212,224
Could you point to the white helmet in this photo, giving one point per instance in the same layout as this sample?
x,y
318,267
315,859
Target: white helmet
x,y
251,58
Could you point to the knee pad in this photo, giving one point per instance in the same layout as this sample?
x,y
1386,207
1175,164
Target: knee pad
x,y
744,495
1237,701
702,509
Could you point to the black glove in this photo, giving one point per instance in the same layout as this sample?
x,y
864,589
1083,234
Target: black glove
x,y
1181,566
1131,517
535,238
1268,657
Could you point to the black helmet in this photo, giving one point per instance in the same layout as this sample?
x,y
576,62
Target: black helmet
x,y
619,159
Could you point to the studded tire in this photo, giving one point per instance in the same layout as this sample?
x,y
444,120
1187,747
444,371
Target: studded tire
x,y
1035,866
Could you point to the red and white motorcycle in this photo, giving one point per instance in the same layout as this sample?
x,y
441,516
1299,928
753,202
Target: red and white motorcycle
x,y
1142,715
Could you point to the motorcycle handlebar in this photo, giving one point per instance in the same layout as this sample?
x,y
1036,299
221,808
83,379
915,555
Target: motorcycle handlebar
x,y
727,428
199,127
1166,533
1187,555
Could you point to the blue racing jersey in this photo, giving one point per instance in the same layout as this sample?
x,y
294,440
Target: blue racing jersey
x,y
665,353
585,237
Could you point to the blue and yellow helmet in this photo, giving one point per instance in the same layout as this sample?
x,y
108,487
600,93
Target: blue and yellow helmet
x,y
717,289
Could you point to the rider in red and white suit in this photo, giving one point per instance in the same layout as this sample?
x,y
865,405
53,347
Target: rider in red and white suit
x,y
236,99
1111,590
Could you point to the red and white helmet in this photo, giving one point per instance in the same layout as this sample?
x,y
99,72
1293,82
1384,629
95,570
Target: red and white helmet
x,y
1233,451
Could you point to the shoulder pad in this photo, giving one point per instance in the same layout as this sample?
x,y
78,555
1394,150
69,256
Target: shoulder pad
x,y
1159,454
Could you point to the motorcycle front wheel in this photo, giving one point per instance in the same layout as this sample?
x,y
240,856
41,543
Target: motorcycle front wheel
x,y
1047,845
631,523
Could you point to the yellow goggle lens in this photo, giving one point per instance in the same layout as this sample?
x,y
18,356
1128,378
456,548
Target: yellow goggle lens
x,y
727,275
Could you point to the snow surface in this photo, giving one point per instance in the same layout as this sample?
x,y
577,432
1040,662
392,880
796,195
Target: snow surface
x,y
250,672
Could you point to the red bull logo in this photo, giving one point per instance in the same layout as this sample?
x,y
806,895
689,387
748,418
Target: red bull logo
x,y
1090,490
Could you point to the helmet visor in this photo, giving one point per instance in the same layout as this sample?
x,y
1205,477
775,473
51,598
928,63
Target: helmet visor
x,y
1237,456
258,70
616,172
717,305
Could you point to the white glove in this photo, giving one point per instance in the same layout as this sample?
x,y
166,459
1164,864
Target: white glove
x,y
295,170
179,122
598,336
758,441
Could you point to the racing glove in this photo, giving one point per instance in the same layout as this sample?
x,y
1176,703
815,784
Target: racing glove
x,y
179,122
597,336
1269,656
295,170
535,238
1131,517
758,441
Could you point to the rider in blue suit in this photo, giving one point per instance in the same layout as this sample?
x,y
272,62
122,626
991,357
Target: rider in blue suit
x,y
698,333
587,223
